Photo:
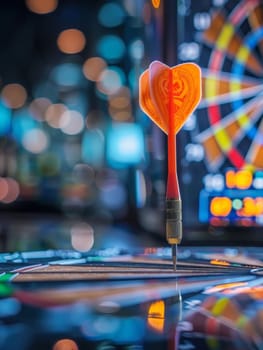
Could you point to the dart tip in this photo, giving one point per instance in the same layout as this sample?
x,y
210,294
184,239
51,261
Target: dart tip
x,y
174,255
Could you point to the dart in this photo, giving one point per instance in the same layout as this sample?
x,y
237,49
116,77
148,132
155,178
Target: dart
x,y
169,95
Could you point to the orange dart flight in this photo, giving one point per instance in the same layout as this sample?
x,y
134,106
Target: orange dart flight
x,y
169,95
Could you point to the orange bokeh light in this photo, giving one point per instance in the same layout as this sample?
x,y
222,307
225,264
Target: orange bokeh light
x,y
241,179
121,99
65,344
220,206
71,41
3,188
38,107
156,3
230,179
14,95
93,67
54,114
251,207
9,190
244,179
42,7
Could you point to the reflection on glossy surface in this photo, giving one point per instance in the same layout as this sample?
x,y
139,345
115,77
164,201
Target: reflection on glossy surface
x,y
129,301
232,317
156,315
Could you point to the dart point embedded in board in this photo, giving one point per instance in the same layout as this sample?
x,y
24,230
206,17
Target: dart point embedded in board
x,y
169,95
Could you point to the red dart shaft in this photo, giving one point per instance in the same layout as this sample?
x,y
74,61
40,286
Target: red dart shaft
x,y
173,201
172,191
172,181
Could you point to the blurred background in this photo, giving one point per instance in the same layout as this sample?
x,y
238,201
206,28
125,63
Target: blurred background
x,y
77,157
82,167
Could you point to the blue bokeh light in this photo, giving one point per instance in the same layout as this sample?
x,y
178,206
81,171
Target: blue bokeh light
x,y
111,80
22,123
111,48
124,145
92,148
5,119
67,74
111,15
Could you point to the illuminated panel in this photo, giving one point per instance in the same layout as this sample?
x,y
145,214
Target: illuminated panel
x,y
240,201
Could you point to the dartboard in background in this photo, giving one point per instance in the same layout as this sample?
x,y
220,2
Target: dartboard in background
x,y
222,142
226,39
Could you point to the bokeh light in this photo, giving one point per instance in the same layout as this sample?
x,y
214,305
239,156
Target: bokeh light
x,y
38,108
5,119
111,47
14,95
3,188
41,7
54,113
156,3
82,237
9,190
71,41
93,67
121,115
110,80
92,148
140,189
71,122
122,99
137,49
220,206
120,105
111,15
35,141
67,74
130,7
125,145
65,344
22,122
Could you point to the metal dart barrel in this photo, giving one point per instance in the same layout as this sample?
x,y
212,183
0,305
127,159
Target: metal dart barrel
x,y
174,225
